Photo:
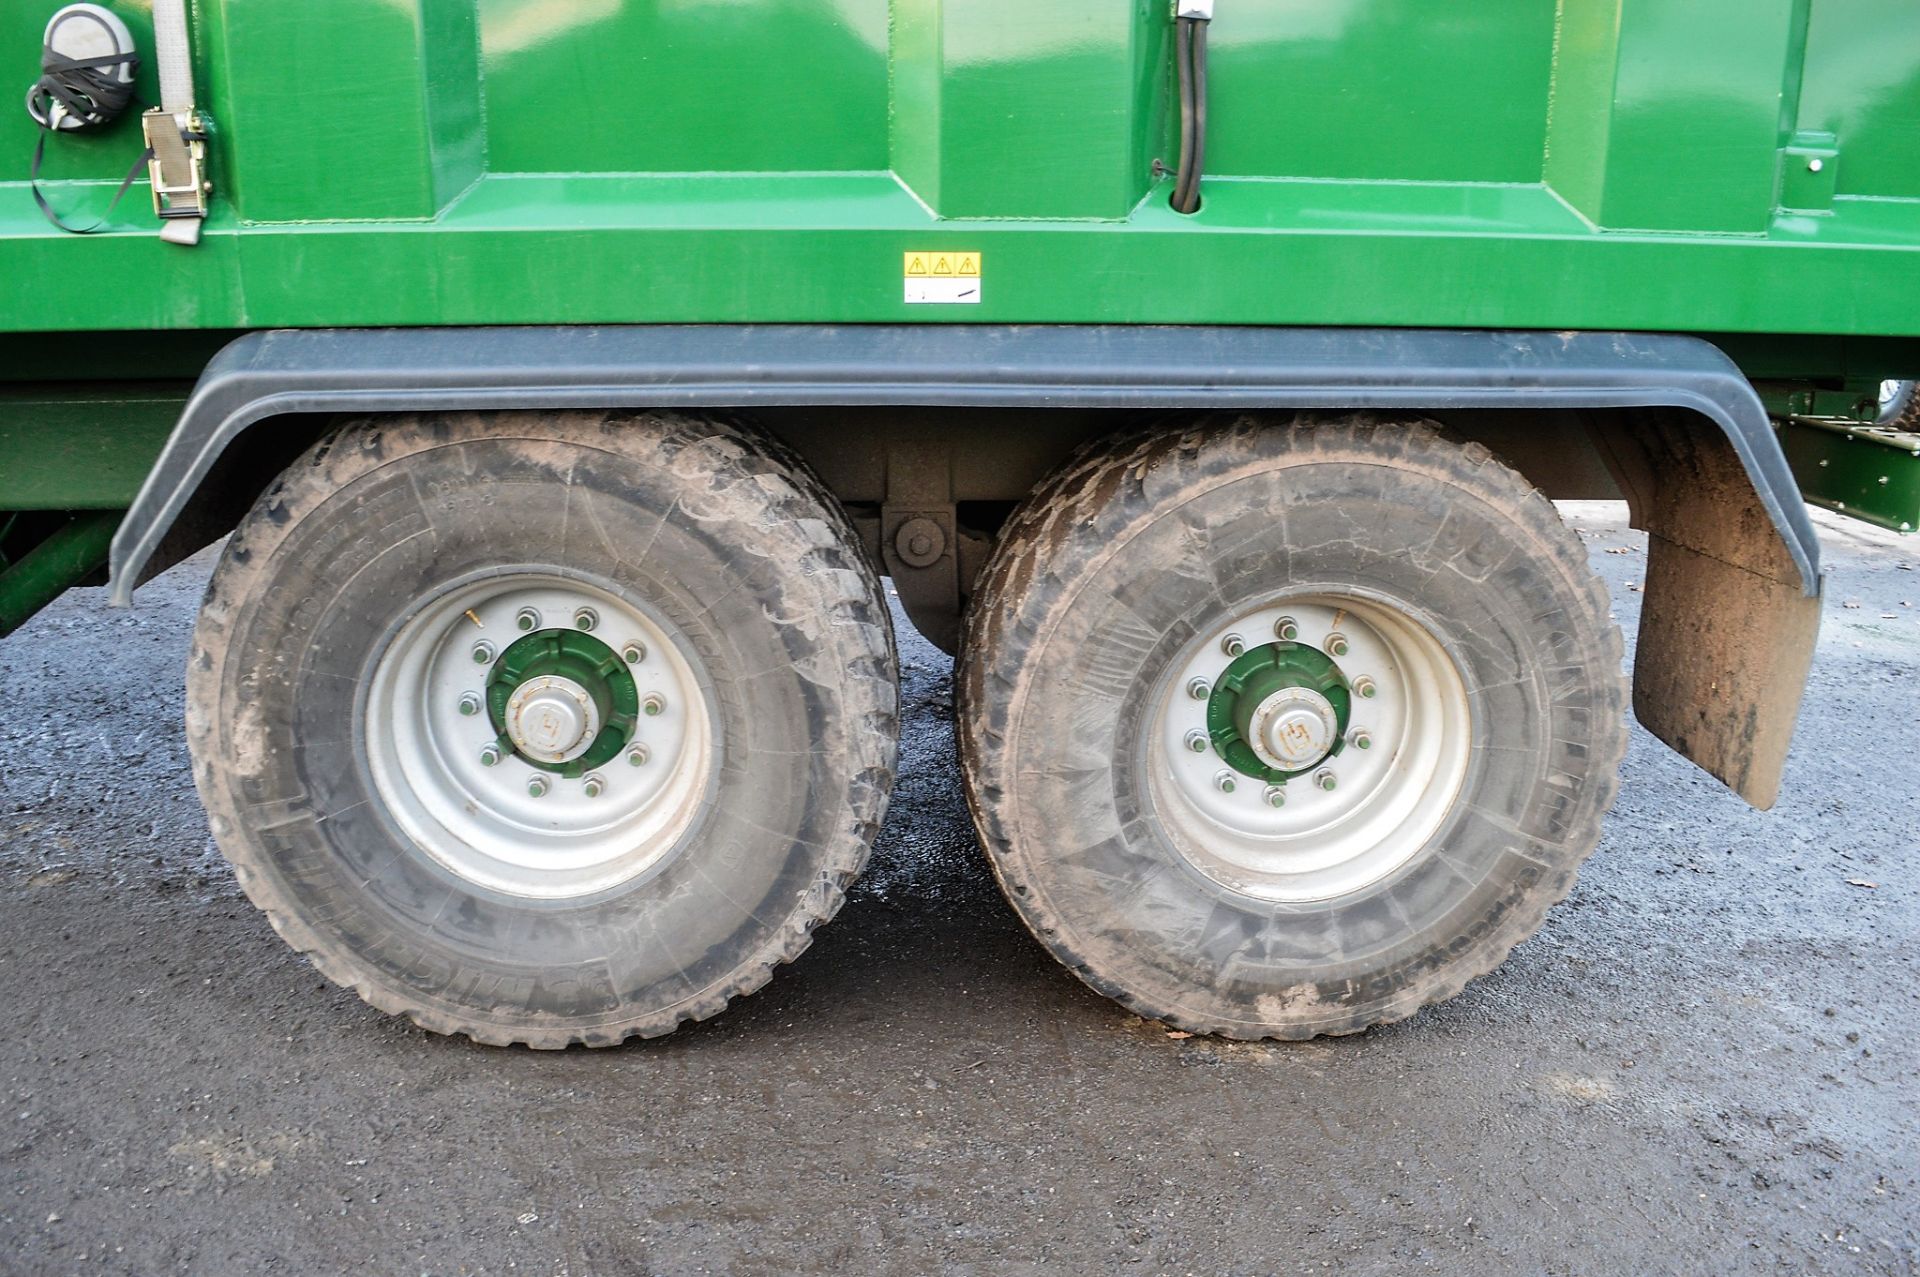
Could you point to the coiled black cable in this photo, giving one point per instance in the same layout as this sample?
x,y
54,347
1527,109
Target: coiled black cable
x,y
1190,59
92,92
89,90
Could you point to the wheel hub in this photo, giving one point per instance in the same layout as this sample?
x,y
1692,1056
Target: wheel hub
x,y
551,719
1294,729
1279,710
563,701
1316,763
563,765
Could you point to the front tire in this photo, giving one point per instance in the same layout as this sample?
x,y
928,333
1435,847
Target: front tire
x,y
545,729
1285,729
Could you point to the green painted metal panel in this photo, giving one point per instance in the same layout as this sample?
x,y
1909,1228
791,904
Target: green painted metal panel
x,y
1341,89
370,114
1005,108
80,447
641,86
1381,163
1868,472
1666,113
1862,85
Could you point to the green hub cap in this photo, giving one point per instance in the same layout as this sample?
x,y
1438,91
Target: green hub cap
x,y
563,701
1279,710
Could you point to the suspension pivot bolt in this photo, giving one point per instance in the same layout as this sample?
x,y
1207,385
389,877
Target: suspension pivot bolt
x,y
483,653
1360,738
1336,645
653,705
1366,687
638,756
489,754
537,787
635,653
1276,796
1286,629
1197,742
1224,782
585,619
470,704
594,785
528,619
1233,645
1325,779
1199,689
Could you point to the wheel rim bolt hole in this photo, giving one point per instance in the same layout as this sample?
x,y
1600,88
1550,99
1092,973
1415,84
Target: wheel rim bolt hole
x,y
1325,779
1225,782
1336,645
1233,645
638,756
1360,738
1197,742
1199,689
1365,687
470,704
635,653
1275,796
537,786
585,619
654,705
483,653
528,619
1286,629
594,785
489,754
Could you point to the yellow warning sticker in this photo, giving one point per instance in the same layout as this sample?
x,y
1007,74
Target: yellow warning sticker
x,y
943,276
945,265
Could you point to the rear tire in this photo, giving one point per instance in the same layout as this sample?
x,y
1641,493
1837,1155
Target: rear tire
x,y
1219,886
545,729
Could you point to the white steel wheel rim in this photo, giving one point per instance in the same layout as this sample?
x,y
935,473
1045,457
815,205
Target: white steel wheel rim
x,y
484,822
1388,799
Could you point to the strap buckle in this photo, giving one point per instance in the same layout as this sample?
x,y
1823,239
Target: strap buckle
x,y
177,147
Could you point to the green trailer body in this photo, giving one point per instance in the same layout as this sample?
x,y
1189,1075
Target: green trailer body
x,y
1660,249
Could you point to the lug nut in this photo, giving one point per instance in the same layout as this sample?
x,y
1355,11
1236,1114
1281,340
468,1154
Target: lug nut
x,y
1197,742
528,619
483,653
1360,738
1365,686
638,756
653,705
1276,796
537,787
1286,629
594,785
489,754
1199,689
635,653
470,704
1325,779
1224,782
1336,645
1233,645
585,619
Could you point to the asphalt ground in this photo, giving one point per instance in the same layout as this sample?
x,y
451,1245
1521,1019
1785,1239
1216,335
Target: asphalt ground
x,y
1706,1062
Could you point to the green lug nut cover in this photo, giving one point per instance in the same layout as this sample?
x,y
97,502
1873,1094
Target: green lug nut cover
x,y
1258,674
575,655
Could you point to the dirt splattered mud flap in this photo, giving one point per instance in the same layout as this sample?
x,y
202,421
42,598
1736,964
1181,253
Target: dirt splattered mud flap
x,y
1733,590
1730,621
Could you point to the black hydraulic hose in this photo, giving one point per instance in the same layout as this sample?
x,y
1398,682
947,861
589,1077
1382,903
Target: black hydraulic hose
x,y
1183,68
1190,58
